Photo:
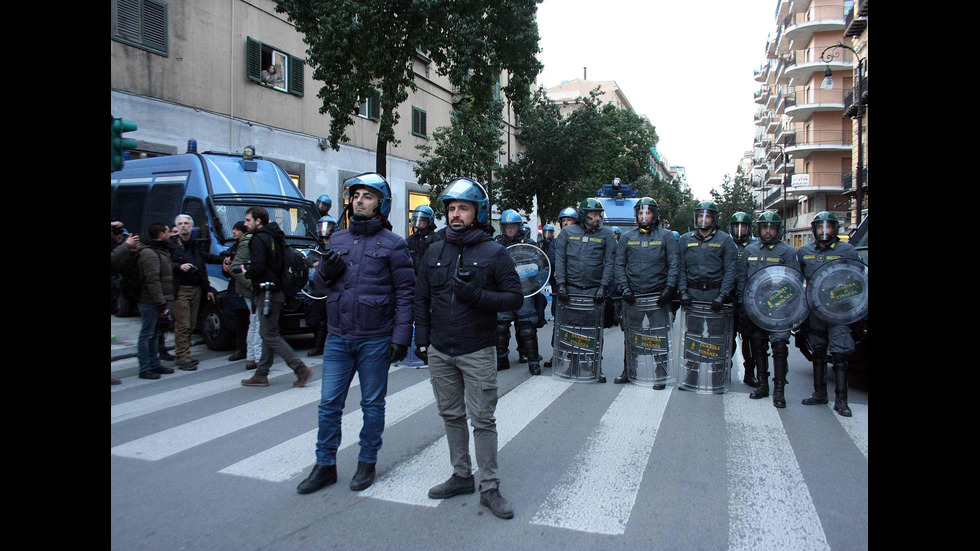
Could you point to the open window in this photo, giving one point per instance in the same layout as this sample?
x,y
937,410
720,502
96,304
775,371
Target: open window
x,y
269,66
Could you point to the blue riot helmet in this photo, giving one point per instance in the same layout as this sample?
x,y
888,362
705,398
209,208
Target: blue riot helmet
x,y
323,204
376,183
422,216
616,231
547,232
569,213
464,189
677,235
326,226
527,231
511,223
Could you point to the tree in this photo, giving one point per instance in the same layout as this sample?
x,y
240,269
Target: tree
x,y
469,146
735,196
365,48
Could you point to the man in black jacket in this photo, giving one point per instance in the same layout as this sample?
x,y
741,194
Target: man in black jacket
x,y
192,285
264,270
462,283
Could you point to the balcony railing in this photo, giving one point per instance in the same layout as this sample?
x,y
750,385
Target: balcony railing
x,y
805,138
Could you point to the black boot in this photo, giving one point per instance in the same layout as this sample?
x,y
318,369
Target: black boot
x,y
322,475
819,395
624,378
760,354
840,386
780,366
364,476
503,345
748,364
527,337
319,338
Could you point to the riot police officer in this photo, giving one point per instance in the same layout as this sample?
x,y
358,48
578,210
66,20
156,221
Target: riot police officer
x,y
768,251
584,257
824,337
707,266
567,217
316,310
547,237
323,204
646,263
741,230
526,318
423,234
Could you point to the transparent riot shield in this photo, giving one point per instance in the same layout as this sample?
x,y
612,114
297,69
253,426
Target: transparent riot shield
x,y
578,340
838,291
533,267
647,330
313,257
775,298
702,354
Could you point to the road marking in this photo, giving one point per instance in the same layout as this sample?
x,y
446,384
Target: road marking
x,y
292,457
410,481
598,492
769,505
856,426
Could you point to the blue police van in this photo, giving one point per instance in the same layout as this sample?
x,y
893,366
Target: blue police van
x,y
215,189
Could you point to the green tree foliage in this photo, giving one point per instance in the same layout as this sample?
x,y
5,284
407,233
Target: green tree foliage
x,y
674,201
360,48
469,146
735,196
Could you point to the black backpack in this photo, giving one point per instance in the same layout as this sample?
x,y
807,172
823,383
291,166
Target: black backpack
x,y
295,273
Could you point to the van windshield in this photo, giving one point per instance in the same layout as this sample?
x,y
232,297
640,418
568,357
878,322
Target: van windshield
x,y
294,221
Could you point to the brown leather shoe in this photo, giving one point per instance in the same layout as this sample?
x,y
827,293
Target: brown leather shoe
x,y
303,374
251,364
256,380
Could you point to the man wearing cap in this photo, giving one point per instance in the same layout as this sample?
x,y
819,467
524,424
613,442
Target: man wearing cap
x,y
369,282
463,282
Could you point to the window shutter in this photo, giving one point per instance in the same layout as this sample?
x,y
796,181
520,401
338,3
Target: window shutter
x,y
422,117
415,121
128,20
253,59
375,106
155,26
296,75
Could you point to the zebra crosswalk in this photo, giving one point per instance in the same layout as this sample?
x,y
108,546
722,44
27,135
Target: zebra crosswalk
x,y
595,489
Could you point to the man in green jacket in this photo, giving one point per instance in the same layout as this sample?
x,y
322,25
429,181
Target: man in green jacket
x,y
243,285
156,299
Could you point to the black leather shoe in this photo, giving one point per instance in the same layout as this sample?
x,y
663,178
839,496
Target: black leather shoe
x,y
534,368
364,476
149,374
239,355
187,367
164,370
602,378
491,499
167,356
622,379
455,486
547,363
322,475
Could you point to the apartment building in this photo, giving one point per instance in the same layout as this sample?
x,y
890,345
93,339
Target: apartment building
x,y
185,69
805,141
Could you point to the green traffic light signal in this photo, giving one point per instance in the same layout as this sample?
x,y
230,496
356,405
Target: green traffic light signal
x,y
118,144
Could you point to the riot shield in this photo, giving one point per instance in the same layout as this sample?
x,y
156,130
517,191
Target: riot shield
x,y
533,267
702,355
838,291
578,340
313,256
775,298
647,327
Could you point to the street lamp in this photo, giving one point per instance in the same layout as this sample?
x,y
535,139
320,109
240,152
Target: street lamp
x,y
828,84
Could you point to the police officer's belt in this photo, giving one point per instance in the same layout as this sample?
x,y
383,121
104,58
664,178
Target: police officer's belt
x,y
703,285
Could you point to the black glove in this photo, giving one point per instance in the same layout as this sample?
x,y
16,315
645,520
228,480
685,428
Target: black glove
x,y
332,266
562,294
718,303
629,297
665,297
686,299
467,291
600,296
397,352
422,353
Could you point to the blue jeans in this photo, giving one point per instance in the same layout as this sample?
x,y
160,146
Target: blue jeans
x,y
147,347
343,358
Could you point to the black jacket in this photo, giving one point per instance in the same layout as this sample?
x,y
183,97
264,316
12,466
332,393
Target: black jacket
x,y
266,258
419,241
194,253
441,318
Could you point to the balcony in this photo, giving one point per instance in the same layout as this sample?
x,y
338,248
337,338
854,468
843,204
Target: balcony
x,y
856,20
811,141
775,199
850,106
800,27
815,182
801,64
808,102
848,184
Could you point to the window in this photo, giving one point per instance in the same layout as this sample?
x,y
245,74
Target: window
x,y
418,122
415,199
369,108
274,68
140,23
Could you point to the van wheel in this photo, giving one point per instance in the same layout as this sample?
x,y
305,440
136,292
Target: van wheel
x,y
217,334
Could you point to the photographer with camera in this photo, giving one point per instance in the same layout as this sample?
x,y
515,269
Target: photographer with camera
x,y
156,295
191,277
463,281
264,270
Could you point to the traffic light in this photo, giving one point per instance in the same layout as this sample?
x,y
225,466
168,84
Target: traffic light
x,y
118,144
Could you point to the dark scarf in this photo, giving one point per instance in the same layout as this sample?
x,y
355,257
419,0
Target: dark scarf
x,y
466,236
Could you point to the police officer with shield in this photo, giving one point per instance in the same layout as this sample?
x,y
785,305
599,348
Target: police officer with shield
x,y
646,263
768,251
567,217
584,259
740,227
526,319
707,268
824,337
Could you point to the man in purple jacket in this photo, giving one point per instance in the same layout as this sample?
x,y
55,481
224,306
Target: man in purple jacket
x,y
370,286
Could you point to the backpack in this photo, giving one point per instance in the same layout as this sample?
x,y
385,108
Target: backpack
x,y
295,273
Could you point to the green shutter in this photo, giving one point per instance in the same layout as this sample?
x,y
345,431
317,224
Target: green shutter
x,y
253,59
155,26
422,117
296,75
375,105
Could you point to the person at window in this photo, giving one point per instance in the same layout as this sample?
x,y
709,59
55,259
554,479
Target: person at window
x,y
271,76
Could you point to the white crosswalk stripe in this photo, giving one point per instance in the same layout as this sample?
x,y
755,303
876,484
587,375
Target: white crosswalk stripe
x,y
856,426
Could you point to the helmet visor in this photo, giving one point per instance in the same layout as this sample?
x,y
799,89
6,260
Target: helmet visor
x,y
769,231
646,214
740,230
420,220
704,219
824,230
326,228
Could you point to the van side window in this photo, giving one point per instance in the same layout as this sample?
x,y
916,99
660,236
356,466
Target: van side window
x,y
127,207
195,208
163,203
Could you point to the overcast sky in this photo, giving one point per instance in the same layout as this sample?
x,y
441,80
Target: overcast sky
x,y
687,65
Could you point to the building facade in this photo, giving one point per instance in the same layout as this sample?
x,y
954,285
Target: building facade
x,y
186,69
